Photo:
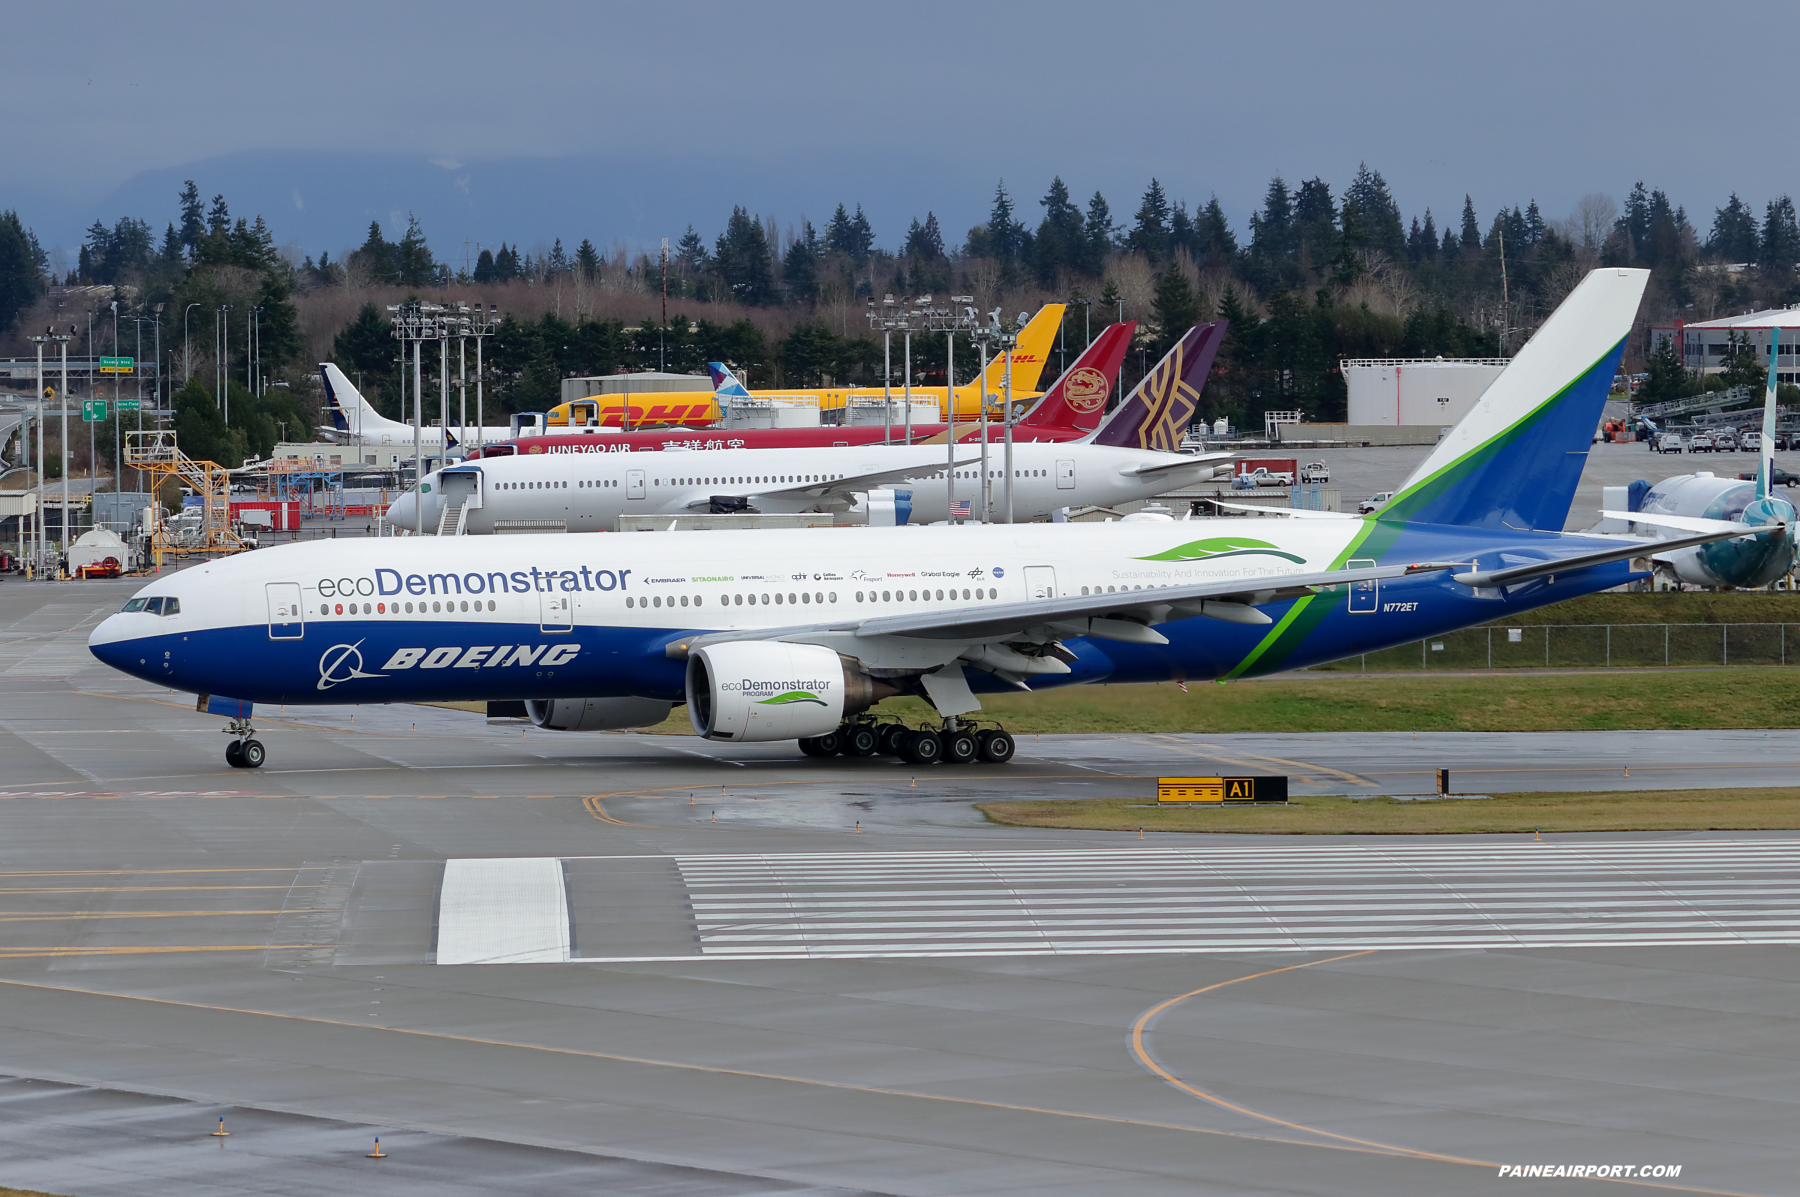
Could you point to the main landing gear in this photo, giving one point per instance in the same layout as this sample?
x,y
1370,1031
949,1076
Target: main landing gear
x,y
954,743
244,752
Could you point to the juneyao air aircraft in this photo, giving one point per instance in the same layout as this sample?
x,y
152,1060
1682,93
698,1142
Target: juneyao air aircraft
x,y
780,635
1689,503
1131,456
1069,410
699,409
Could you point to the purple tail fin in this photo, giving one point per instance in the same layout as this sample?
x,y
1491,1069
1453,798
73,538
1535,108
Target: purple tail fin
x,y
1156,414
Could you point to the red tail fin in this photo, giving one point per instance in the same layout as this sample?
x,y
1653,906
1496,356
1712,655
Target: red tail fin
x,y
1078,398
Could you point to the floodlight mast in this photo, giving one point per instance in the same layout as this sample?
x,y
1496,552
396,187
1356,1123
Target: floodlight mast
x,y
950,321
419,322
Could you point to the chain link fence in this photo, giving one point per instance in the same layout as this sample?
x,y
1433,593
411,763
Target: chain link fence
x,y
1589,646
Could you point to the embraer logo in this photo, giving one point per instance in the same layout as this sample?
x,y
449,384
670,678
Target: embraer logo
x,y
342,663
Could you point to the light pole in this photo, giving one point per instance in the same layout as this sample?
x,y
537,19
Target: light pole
x,y
947,321
62,341
983,337
1087,317
187,346
42,489
1008,417
418,322
224,374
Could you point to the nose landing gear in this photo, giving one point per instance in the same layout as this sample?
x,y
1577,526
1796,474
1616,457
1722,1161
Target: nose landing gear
x,y
244,752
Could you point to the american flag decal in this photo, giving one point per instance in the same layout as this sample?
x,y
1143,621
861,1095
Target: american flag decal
x,y
959,509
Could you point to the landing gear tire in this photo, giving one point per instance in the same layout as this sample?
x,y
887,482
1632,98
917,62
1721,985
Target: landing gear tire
x,y
995,747
251,754
234,754
810,746
960,747
828,744
861,740
922,748
889,737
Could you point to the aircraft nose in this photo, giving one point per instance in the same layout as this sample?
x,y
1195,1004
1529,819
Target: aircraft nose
x,y
401,512
113,644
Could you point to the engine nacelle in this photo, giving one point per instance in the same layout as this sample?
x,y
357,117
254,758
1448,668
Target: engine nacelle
x,y
764,690
596,714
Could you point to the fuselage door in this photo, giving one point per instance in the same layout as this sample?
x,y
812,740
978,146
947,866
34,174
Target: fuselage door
x,y
556,609
1040,581
286,621
1065,474
634,484
1365,597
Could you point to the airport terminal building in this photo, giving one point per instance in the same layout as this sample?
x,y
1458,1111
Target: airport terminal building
x,y
1704,345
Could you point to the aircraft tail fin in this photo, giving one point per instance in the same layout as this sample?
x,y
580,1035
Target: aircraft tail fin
x,y
1515,459
1078,398
1030,352
725,383
1765,464
1157,413
350,412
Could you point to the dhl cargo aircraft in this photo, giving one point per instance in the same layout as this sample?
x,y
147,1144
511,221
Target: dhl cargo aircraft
x,y
1069,410
701,409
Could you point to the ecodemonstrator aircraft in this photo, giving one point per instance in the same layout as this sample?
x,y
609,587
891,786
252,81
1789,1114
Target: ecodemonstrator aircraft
x,y
779,635
1131,456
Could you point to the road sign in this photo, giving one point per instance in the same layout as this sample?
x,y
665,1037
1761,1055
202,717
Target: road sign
x,y
116,365
131,404
1224,790
93,410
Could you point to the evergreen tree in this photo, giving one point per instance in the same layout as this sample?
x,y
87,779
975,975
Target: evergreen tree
x,y
1099,233
1181,228
559,260
925,241
484,266
1272,229
1150,227
809,353
1415,237
1635,223
1006,236
840,237
587,259
1377,213
1315,221
169,261
1177,308
376,257
1428,239
1667,378
1214,240
413,266
1534,224
1061,235
1735,233
690,251
21,277
862,236
218,220
193,218
800,269
1471,228
741,259
1448,251
1780,246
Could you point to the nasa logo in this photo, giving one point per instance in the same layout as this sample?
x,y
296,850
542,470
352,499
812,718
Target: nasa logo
x,y
1086,390
998,572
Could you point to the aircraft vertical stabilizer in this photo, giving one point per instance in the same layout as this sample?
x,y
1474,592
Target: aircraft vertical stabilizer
x,y
1515,459
349,410
1157,413
725,383
1078,398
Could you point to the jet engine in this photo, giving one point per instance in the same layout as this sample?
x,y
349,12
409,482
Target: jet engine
x,y
765,690
596,714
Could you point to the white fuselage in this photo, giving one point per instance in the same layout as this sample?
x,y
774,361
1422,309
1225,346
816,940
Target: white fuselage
x,y
588,492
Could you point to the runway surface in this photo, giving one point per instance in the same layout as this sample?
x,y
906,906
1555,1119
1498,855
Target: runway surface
x,y
741,971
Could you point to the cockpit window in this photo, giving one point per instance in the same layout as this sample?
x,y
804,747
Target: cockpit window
x,y
136,604
171,606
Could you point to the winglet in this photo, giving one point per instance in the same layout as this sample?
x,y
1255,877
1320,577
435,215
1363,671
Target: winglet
x,y
1156,414
1765,465
1078,398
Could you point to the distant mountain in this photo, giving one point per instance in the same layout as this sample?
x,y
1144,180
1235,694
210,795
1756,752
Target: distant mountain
x,y
325,200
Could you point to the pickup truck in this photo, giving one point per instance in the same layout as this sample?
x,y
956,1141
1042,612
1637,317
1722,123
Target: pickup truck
x,y
1262,476
1700,442
1374,503
1315,471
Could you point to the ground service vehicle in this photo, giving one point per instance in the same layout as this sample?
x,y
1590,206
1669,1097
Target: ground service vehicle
x,y
1315,471
1375,502
1667,442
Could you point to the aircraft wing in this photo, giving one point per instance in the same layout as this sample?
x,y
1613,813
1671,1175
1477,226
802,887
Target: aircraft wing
x,y
1125,615
839,487
1300,513
1681,523
1637,548
1186,460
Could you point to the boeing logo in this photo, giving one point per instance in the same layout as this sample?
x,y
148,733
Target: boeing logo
x,y
342,663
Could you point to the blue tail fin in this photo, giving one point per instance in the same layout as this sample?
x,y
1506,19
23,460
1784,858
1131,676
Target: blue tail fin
x,y
725,383
1515,459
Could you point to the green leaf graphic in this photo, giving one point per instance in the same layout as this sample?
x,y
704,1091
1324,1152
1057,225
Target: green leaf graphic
x,y
1223,546
792,696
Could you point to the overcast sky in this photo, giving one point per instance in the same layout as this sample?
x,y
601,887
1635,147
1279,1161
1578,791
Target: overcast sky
x,y
526,120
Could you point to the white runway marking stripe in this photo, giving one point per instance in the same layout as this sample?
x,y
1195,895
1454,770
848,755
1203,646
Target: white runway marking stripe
x,y
1236,898
503,911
